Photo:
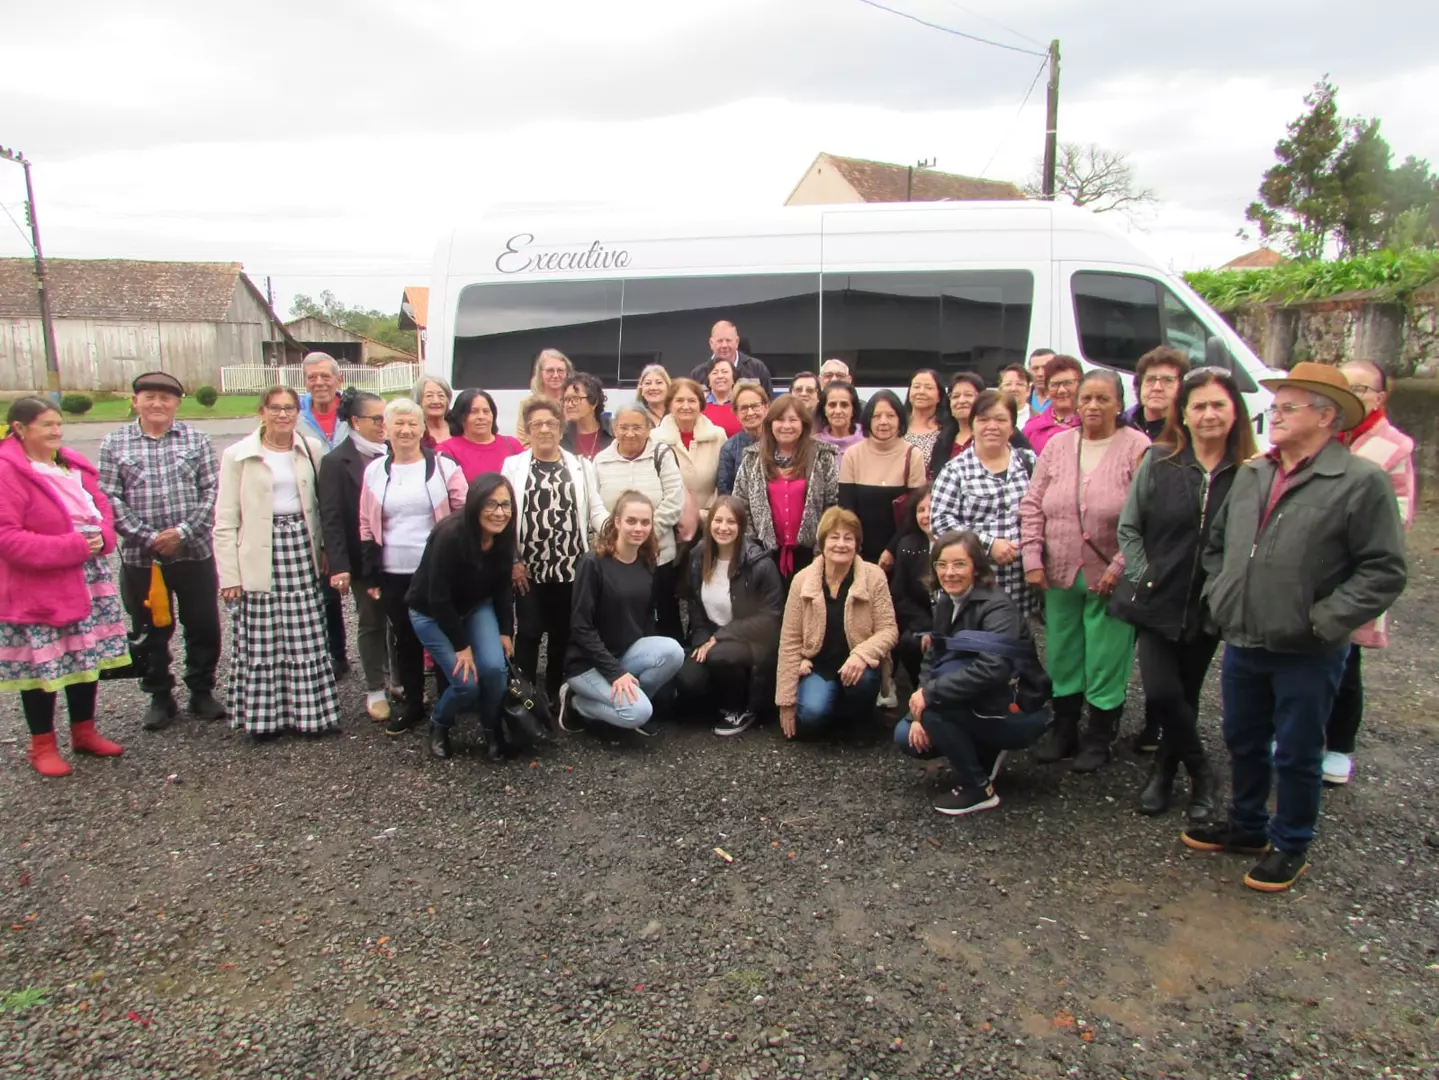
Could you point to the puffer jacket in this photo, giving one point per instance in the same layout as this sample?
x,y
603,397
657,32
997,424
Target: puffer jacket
x,y
982,683
756,599
821,492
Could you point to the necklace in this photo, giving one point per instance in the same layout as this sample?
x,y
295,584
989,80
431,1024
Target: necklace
x,y
268,445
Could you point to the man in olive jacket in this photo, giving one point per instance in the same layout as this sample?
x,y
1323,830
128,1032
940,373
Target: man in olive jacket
x,y
1308,548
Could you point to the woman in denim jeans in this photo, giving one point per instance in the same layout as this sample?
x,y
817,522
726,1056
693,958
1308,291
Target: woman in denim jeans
x,y
461,602
617,661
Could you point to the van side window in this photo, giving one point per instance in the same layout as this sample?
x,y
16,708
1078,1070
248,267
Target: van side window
x,y
501,327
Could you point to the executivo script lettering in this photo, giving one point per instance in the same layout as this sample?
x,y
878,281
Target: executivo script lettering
x,y
517,258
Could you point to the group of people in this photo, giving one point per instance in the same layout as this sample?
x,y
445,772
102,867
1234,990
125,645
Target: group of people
x,y
710,548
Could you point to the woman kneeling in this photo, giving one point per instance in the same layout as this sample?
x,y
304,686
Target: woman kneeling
x,y
965,707
616,661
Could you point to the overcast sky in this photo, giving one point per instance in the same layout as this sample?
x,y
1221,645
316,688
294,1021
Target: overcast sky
x,y
329,144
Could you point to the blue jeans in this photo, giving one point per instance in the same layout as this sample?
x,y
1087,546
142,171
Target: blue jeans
x,y
1285,698
972,741
482,631
654,661
820,701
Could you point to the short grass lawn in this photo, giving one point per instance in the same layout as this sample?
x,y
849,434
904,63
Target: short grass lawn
x,y
227,406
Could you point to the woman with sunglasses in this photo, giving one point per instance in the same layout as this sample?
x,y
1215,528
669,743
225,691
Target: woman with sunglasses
x,y
1181,483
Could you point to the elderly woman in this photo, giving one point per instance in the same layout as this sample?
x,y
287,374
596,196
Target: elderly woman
x,y
880,469
557,506
837,419
718,402
633,463
477,445
267,548
964,705
1181,485
587,431
1062,376
552,368
928,428
653,391
1069,520
433,395
750,404
980,491
405,494
838,627
696,441
805,389
963,389
787,480
61,623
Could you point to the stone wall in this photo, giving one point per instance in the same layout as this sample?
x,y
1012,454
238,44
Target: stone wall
x,y
1403,338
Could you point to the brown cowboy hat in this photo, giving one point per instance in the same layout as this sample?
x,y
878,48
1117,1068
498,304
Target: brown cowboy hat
x,y
1326,380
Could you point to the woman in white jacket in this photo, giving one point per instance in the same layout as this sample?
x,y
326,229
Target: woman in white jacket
x,y
557,506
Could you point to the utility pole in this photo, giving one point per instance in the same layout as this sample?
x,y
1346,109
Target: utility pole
x,y
927,163
52,363
1051,123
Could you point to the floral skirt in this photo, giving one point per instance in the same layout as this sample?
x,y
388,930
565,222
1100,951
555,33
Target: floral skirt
x,y
36,657
281,675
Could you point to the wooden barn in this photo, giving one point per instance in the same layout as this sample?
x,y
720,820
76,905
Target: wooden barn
x,y
115,318
320,335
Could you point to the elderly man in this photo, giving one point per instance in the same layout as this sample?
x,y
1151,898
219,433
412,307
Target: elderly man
x,y
1156,385
161,477
1038,396
320,404
1379,441
1307,549
834,370
724,345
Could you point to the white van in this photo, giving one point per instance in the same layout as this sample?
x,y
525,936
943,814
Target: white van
x,y
889,289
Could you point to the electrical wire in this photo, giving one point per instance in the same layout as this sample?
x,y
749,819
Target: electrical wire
x,y
28,242
950,30
992,22
1010,130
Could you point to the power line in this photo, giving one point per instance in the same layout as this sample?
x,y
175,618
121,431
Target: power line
x,y
19,230
949,30
1005,137
992,22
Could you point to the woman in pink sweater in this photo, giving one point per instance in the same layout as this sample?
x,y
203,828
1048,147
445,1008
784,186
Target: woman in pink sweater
x,y
60,617
1069,521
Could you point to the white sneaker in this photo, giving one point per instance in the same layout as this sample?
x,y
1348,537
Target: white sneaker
x,y
568,720
732,723
377,705
887,701
1336,767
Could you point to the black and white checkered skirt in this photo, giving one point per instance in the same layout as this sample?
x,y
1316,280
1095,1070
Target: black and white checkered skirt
x,y
281,676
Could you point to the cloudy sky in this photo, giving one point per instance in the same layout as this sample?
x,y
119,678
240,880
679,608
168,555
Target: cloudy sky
x,y
329,144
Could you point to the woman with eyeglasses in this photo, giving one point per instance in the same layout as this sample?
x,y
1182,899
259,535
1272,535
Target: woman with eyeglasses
x,y
1156,379
342,476
1068,519
836,421
433,395
1062,376
552,368
405,494
750,405
652,391
1181,484
587,431
268,537
477,446
461,606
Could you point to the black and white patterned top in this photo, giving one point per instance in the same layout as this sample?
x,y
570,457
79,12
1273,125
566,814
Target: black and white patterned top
x,y
158,484
966,495
553,542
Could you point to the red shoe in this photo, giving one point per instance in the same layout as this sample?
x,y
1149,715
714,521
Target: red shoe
x,y
85,739
46,758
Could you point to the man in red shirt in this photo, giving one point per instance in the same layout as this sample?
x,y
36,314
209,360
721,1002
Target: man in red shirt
x,y
320,404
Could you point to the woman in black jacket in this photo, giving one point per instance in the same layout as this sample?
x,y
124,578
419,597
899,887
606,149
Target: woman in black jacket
x,y
966,706
1181,483
461,602
342,473
735,616
911,584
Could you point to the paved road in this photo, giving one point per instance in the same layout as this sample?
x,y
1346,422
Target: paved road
x,y
86,438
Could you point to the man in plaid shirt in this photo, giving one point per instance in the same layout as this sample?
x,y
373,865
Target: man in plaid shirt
x,y
161,477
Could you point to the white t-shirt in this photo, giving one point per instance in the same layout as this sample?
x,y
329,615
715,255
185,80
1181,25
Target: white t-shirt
x,y
409,518
714,594
286,492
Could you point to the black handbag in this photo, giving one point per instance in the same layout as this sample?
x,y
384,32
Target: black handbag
x,y
525,717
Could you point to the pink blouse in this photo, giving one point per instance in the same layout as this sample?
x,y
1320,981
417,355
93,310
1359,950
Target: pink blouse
x,y
786,508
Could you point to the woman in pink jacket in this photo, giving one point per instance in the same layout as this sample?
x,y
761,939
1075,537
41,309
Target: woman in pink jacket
x,y
60,618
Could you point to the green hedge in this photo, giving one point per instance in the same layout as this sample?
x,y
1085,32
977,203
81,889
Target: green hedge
x,y
1388,275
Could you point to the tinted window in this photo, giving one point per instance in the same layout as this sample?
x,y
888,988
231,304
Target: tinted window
x,y
501,328
886,326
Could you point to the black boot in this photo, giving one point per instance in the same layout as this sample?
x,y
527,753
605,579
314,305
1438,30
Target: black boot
x,y
1147,741
1098,737
497,749
161,713
205,706
1202,785
439,741
1061,738
1158,789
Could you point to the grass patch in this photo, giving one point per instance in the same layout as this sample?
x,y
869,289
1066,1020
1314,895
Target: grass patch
x,y
20,1000
111,408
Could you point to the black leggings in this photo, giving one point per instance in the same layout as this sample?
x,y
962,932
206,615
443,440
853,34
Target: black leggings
x,y
545,609
1173,674
39,706
409,653
736,676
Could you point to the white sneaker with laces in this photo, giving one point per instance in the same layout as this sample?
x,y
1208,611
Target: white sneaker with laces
x,y
732,723
1337,767
568,720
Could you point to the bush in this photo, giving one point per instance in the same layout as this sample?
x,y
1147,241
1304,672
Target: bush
x,y
76,404
207,396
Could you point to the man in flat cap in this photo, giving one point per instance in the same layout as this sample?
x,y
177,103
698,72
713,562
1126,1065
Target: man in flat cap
x,y
161,477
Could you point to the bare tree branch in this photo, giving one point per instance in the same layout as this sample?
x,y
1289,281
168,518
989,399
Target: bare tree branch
x,y
1089,175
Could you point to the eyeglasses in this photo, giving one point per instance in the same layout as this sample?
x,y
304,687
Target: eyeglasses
x,y
753,406
1062,384
1160,380
281,410
1364,390
494,506
574,399
1290,409
543,425
631,429
378,417
1209,371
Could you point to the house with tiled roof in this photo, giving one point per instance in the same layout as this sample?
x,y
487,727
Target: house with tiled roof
x,y
1259,259
415,314
320,335
116,318
833,179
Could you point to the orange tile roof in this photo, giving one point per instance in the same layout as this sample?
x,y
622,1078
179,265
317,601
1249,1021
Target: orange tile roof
x,y
415,307
1260,259
881,182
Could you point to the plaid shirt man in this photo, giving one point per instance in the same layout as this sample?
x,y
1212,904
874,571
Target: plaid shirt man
x,y
160,483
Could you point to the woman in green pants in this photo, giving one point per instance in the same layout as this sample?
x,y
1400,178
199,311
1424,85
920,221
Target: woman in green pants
x,y
1068,539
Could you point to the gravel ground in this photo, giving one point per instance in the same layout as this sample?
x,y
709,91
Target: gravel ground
x,y
346,907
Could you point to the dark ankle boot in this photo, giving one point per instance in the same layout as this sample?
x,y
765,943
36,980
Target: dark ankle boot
x,y
1202,785
439,741
1098,736
1159,788
1061,738
497,749
161,713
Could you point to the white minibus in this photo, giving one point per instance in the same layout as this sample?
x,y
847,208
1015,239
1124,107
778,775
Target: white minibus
x,y
889,289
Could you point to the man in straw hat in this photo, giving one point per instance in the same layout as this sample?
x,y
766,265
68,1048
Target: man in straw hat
x,y
1308,548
